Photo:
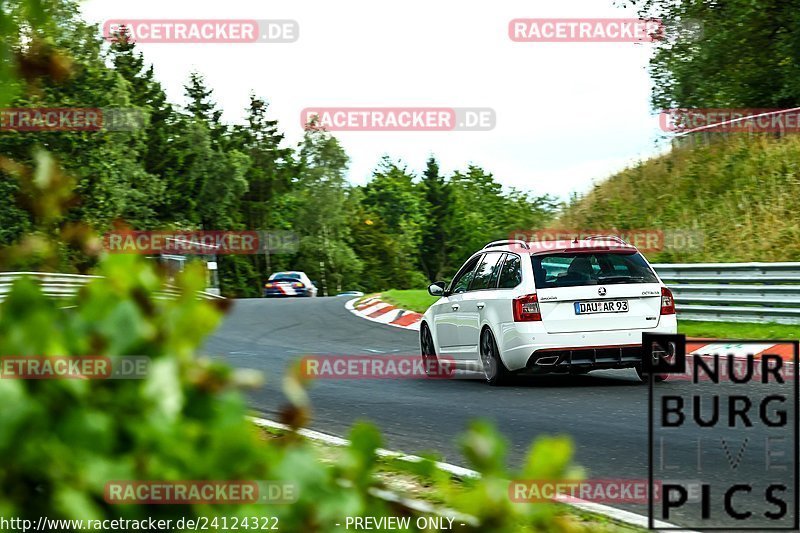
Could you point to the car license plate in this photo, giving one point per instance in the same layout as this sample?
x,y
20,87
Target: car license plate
x,y
605,306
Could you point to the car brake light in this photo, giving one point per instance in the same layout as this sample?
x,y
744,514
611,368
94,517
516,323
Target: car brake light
x,y
297,285
667,302
526,309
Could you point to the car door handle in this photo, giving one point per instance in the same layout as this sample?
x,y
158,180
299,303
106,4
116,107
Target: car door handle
x,y
455,307
481,305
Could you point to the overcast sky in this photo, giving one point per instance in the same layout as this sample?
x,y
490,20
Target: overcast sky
x,y
568,114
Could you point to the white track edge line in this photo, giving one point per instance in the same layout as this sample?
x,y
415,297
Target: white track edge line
x,y
619,515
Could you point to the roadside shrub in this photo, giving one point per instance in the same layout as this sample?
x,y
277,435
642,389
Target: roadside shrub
x,y
63,440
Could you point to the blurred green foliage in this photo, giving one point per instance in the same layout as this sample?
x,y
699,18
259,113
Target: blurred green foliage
x,y
63,440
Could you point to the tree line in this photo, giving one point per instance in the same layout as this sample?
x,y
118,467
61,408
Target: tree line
x,y
186,169
725,53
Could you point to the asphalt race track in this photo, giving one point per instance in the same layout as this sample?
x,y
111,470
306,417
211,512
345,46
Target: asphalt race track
x,y
605,412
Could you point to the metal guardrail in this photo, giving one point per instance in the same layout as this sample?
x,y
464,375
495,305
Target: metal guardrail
x,y
67,285
735,292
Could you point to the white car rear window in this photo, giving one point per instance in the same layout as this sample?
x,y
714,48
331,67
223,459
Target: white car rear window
x,y
602,268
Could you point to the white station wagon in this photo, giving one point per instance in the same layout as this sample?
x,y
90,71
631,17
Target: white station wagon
x,y
548,306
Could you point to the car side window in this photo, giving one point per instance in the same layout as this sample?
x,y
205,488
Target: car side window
x,y
485,274
511,275
462,280
497,269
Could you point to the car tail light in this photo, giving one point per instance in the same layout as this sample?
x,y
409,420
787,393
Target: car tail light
x,y
667,302
297,285
526,309
269,285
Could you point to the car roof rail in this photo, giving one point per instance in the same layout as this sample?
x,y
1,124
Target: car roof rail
x,y
610,237
506,242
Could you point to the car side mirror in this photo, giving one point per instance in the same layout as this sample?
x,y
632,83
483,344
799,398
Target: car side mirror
x,y
436,289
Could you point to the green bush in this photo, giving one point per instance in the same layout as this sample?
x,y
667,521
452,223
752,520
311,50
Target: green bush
x,y
63,440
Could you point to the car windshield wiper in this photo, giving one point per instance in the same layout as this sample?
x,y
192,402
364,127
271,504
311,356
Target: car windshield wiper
x,y
615,278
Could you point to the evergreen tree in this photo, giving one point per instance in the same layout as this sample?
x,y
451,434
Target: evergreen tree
x,y
435,236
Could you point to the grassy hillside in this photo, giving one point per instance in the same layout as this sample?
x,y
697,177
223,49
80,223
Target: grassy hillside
x,y
740,194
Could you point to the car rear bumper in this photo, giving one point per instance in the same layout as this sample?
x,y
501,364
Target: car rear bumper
x,y
277,293
583,359
525,345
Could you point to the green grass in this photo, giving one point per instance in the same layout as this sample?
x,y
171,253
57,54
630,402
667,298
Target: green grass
x,y
736,197
420,300
413,300
734,330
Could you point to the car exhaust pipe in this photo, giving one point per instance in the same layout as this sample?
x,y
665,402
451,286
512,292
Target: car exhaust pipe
x,y
547,361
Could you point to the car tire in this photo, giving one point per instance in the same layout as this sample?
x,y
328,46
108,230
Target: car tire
x,y
494,370
643,377
428,350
